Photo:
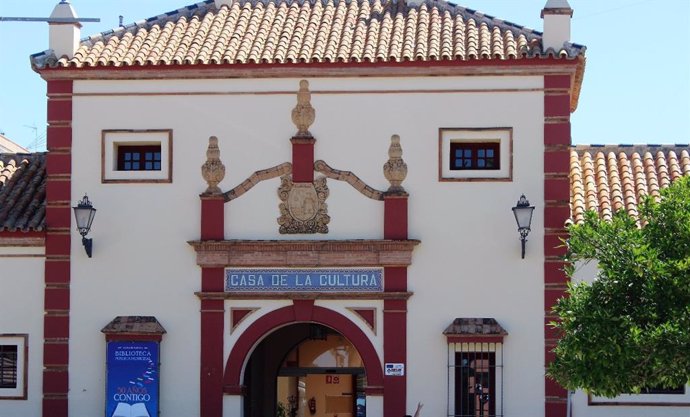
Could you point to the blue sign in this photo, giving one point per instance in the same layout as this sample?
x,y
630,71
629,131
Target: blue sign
x,y
132,385
304,280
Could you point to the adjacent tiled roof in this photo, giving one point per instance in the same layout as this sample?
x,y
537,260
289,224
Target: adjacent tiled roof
x,y
611,178
474,326
6,145
292,31
22,192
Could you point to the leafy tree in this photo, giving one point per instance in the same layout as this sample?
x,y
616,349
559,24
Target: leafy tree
x,y
630,328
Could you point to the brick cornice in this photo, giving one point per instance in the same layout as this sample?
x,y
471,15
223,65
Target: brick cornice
x,y
302,253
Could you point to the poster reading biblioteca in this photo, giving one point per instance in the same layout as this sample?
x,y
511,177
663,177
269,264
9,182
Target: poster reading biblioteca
x,y
132,381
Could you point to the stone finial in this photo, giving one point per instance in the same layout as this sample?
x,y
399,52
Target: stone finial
x,y
303,114
213,170
395,170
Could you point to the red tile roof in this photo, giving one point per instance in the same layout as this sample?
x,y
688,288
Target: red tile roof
x,y
22,192
294,31
611,178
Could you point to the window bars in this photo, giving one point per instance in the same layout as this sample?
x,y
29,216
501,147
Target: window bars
x,y
475,379
8,366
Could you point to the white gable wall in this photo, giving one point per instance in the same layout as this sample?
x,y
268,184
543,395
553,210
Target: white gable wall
x,y
468,264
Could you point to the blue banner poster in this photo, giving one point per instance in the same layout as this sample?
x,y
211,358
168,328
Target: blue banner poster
x,y
132,382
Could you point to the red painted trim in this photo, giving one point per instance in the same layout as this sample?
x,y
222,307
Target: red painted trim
x,y
212,279
557,162
557,189
555,217
557,409
238,314
59,110
57,271
368,315
60,87
234,390
212,218
373,391
58,190
211,363
201,68
59,217
561,81
240,352
56,354
557,105
553,272
55,381
55,327
395,217
60,136
395,351
5,234
304,310
57,245
303,162
395,279
554,247
56,299
557,134
55,407
58,163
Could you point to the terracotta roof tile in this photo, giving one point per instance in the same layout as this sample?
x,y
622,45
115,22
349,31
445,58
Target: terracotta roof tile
x,y
612,178
291,31
22,192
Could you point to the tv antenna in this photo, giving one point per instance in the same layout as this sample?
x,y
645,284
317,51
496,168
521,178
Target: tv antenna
x,y
51,19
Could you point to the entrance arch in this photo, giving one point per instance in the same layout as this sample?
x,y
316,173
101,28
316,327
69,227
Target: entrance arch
x,y
302,311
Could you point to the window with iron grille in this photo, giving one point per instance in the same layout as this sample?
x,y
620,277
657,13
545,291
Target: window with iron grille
x,y
475,379
475,155
14,352
8,366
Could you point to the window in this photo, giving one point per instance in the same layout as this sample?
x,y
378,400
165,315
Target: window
x,y
475,154
139,158
475,367
13,366
653,396
476,371
136,156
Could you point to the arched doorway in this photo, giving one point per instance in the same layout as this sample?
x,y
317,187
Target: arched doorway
x,y
305,370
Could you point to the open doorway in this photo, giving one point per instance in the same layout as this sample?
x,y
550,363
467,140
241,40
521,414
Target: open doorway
x,y
305,370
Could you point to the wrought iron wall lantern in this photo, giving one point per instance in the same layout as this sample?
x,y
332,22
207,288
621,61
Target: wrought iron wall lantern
x,y
84,214
523,216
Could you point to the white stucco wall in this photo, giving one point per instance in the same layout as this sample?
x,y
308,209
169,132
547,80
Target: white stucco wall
x,y
21,312
625,405
468,264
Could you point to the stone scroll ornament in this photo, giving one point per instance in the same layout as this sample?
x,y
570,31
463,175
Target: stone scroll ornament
x,y
303,208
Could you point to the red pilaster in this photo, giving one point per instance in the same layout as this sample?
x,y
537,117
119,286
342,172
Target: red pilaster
x,y
395,216
556,212
58,252
212,313
395,311
395,351
303,159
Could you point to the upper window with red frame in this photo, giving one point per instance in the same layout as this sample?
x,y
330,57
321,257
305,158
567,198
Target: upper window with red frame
x,y
475,155
139,158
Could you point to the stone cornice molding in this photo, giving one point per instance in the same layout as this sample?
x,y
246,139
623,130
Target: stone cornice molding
x,y
304,253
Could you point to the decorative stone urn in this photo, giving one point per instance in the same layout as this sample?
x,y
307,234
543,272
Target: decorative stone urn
x,y
395,170
213,170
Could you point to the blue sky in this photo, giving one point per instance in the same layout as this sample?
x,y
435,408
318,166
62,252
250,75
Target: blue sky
x,y
636,87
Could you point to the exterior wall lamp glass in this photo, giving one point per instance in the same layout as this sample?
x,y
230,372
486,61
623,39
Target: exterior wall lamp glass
x,y
523,216
84,214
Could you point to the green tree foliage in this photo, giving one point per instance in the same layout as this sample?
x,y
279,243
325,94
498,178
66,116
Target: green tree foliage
x,y
630,328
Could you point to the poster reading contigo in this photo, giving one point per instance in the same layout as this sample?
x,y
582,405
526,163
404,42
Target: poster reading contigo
x,y
132,385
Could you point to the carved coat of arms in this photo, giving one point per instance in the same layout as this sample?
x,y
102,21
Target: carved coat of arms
x,y
303,207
